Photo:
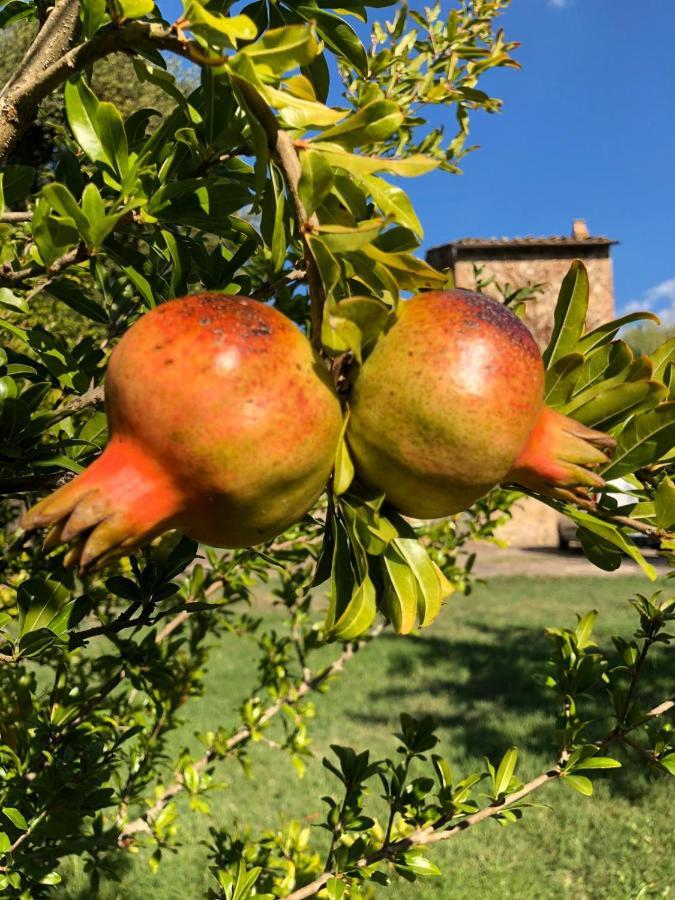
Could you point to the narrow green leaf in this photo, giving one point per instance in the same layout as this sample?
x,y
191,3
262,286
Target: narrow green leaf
x,y
608,330
598,762
570,314
612,534
643,441
359,615
343,474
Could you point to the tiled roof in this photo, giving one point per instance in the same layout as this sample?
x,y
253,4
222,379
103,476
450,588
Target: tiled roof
x,y
529,241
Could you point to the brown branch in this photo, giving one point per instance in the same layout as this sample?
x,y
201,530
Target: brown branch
x,y
283,149
271,287
423,836
52,63
24,836
16,217
16,277
433,834
306,686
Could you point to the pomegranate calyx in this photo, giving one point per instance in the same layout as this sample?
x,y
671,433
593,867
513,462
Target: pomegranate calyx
x,y
560,456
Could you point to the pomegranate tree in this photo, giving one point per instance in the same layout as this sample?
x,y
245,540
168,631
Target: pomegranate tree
x,y
451,402
223,424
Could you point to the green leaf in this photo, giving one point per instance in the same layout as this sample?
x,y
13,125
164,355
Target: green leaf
x,y
400,591
570,314
411,273
39,602
505,771
9,300
668,763
662,357
579,783
665,503
327,264
611,533
606,332
372,123
338,35
343,473
433,586
216,29
643,441
135,9
93,15
60,199
280,50
15,817
415,861
412,166
316,181
359,614
584,629
346,239
598,762
619,402
392,201
97,126
16,183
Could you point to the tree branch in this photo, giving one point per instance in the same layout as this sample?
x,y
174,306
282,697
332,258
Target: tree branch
x,y
52,63
423,836
16,277
16,217
283,149
306,686
434,833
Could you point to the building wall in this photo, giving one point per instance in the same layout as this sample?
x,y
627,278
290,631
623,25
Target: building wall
x,y
519,271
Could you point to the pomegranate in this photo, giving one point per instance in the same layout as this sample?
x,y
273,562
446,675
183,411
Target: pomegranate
x,y
450,403
223,424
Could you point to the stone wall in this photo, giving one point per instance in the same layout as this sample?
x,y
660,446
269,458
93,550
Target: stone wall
x,y
519,271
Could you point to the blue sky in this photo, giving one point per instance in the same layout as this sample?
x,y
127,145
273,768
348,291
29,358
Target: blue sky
x,y
587,131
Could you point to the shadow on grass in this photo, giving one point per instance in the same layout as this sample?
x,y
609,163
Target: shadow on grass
x,y
491,693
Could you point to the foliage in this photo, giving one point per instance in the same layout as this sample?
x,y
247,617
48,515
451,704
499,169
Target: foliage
x,y
251,182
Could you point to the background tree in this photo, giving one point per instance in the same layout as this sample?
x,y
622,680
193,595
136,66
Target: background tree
x,y
261,180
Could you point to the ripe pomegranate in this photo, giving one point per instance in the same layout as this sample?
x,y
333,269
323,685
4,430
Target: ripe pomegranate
x,y
450,403
223,424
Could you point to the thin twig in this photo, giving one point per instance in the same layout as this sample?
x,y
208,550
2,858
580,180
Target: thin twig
x,y
13,217
433,834
283,148
16,277
306,686
423,836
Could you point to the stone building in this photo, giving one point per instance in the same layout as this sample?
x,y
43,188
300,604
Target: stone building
x,y
519,262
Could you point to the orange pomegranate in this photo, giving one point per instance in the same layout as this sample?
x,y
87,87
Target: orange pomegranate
x,y
223,424
451,402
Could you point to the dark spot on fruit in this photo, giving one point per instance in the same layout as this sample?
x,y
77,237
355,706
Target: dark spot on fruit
x,y
205,321
169,362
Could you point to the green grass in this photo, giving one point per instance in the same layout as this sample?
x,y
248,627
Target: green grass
x,y
478,671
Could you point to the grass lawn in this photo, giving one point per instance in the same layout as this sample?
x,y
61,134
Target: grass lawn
x,y
479,672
